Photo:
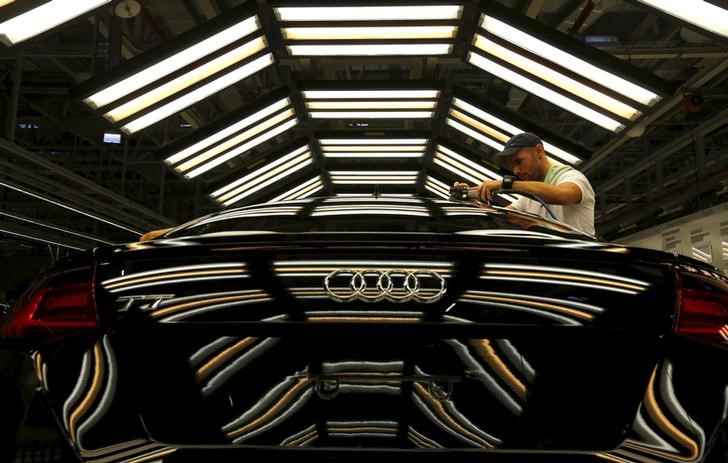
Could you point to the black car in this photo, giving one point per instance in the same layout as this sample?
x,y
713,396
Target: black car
x,y
380,329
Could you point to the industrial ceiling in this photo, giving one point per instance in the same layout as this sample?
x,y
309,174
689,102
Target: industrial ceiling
x,y
301,114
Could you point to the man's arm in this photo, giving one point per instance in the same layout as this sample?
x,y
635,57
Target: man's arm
x,y
562,194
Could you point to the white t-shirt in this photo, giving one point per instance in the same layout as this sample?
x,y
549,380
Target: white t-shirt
x,y
579,215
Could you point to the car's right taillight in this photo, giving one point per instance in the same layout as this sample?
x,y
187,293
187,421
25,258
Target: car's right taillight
x,y
703,310
56,306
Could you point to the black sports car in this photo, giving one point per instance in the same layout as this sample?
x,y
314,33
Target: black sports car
x,y
395,329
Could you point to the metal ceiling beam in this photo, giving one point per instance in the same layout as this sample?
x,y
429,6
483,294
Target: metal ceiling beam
x,y
564,12
643,52
142,215
712,123
677,195
709,71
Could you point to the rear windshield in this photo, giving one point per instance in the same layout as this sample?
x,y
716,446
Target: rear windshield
x,y
370,215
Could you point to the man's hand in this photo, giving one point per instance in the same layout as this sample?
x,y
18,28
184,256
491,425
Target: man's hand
x,y
484,190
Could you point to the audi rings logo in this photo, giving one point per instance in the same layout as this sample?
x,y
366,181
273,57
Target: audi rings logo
x,y
373,285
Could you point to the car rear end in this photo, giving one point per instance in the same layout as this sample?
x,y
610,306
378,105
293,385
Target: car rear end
x,y
491,344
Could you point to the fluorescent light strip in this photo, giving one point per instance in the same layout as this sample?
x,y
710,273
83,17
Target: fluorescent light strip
x,y
33,238
159,93
374,172
438,183
370,212
241,149
558,79
292,194
173,63
298,166
436,192
446,165
371,196
357,200
63,230
383,155
301,191
263,174
697,12
374,177
476,124
314,189
477,135
412,148
387,104
44,18
65,206
282,160
368,13
437,187
374,182
545,93
579,66
394,49
236,140
373,141
393,206
369,94
226,132
461,170
371,114
513,130
198,94
362,33
474,165
484,116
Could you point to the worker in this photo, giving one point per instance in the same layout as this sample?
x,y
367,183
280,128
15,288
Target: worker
x,y
566,190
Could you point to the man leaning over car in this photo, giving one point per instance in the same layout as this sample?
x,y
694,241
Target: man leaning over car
x,y
566,190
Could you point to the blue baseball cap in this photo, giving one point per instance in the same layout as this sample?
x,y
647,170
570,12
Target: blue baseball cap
x,y
516,144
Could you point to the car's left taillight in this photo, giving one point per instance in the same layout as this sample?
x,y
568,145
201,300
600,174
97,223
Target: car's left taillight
x,y
58,305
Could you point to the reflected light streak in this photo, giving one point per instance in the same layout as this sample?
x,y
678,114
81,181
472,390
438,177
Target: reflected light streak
x,y
299,390
640,284
446,414
420,440
223,357
485,349
301,438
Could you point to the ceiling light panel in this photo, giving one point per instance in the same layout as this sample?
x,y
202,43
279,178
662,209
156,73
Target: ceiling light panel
x,y
531,85
231,137
462,166
437,187
389,30
580,79
264,177
496,131
304,190
184,72
355,177
42,18
371,104
697,12
379,148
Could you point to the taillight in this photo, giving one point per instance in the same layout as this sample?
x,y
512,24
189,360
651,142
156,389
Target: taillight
x,y
58,305
703,308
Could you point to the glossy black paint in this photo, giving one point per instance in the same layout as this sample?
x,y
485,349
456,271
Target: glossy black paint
x,y
219,342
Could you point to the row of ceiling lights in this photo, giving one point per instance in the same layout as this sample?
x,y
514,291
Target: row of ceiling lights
x,y
159,84
21,21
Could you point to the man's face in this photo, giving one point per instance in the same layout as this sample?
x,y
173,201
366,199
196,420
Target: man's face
x,y
526,166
